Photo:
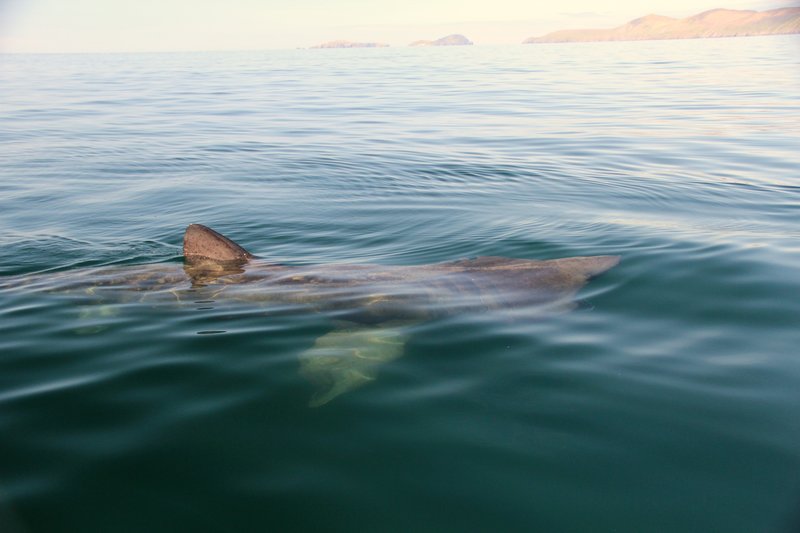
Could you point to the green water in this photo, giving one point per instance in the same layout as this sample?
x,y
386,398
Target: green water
x,y
666,401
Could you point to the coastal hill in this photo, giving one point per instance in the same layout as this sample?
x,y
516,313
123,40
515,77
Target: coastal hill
x,y
451,40
349,44
714,23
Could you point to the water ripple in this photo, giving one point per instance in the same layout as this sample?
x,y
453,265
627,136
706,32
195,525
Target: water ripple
x,y
675,373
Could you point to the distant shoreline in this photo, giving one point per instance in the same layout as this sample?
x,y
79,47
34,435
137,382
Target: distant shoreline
x,y
282,49
715,23
454,39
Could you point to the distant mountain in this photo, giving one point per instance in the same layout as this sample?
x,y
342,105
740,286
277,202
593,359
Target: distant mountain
x,y
714,23
349,44
451,40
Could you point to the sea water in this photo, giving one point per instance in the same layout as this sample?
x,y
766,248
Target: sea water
x,y
667,401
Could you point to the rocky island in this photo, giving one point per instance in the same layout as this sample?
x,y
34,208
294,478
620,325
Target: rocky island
x,y
349,44
450,40
713,23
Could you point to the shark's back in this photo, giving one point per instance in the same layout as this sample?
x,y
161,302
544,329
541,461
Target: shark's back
x,y
372,293
367,293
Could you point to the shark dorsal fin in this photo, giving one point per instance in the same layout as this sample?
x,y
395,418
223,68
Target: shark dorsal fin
x,y
201,242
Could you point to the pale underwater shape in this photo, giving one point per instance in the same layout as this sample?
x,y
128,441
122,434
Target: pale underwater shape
x,y
345,359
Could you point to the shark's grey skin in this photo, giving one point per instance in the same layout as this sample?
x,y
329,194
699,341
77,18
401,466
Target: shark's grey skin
x,y
374,303
201,242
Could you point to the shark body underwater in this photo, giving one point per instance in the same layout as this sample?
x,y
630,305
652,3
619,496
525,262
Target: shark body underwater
x,y
372,306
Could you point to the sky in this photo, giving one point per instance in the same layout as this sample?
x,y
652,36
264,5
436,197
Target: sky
x,y
183,25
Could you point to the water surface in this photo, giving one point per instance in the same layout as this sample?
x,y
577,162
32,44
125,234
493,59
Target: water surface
x,y
667,401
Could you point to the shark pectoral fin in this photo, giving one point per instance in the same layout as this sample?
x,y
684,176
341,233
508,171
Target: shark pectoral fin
x,y
349,380
93,318
345,359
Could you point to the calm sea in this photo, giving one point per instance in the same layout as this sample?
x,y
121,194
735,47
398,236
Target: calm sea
x,y
668,401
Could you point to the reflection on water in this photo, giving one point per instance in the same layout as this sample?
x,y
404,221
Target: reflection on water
x,y
140,395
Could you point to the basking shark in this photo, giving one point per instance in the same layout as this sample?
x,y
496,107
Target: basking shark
x,y
372,306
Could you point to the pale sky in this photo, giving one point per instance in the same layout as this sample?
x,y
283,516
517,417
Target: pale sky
x,y
179,25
